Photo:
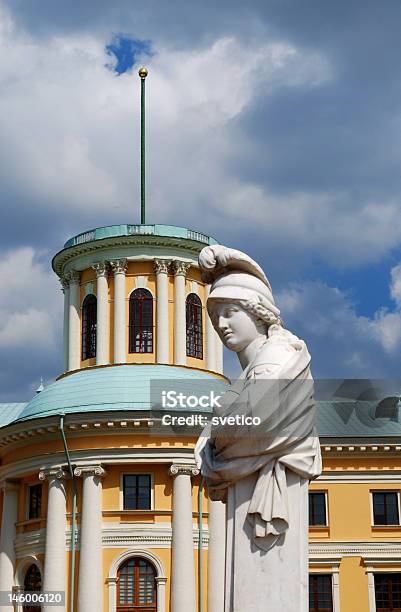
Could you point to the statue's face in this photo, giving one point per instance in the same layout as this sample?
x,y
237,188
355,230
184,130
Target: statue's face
x,y
236,327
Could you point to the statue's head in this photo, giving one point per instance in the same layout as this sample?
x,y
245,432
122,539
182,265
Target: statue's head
x,y
240,302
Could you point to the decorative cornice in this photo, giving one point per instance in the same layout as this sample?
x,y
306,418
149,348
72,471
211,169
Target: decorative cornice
x,y
180,268
101,268
178,469
89,470
56,473
119,266
161,266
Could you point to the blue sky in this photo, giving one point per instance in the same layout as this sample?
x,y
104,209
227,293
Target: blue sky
x,y
273,126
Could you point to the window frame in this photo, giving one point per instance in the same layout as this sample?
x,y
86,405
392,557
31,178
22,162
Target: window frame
x,y
200,308
86,338
372,513
28,501
381,573
121,496
329,574
326,508
151,299
136,604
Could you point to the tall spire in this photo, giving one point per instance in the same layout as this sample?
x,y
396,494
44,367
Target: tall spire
x,y
143,73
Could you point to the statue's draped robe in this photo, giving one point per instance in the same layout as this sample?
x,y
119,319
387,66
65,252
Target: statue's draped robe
x,y
262,474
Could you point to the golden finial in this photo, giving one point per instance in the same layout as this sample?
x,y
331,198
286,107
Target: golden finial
x,y
143,72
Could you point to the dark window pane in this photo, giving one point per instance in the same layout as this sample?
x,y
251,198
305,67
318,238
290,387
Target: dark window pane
x,y
89,323
194,326
317,508
388,592
136,491
385,508
320,593
141,322
35,501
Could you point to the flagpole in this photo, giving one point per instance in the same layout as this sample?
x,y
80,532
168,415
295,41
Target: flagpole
x,y
143,73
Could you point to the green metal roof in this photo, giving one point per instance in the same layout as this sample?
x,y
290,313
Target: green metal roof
x,y
139,387
112,231
10,412
356,419
125,387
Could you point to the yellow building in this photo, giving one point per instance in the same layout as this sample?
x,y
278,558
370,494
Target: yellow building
x,y
103,502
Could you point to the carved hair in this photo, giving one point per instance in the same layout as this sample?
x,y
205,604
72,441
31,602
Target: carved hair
x,y
258,310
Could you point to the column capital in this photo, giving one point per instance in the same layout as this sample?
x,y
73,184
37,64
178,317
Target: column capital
x,y
89,470
119,266
72,276
101,268
180,268
65,283
161,579
56,473
178,469
161,266
9,485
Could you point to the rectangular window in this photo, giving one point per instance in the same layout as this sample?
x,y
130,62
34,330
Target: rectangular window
x,y
320,593
137,491
385,508
317,508
388,592
34,501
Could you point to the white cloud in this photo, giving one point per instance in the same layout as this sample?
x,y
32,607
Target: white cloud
x,y
343,343
30,306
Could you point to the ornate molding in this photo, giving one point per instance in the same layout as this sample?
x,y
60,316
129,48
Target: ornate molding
x,y
178,469
119,266
73,276
101,268
180,268
161,266
65,283
89,470
56,473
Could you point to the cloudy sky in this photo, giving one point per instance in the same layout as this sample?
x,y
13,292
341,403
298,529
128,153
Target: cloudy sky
x,y
273,125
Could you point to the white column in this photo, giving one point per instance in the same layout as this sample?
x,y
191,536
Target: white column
x,y
7,537
162,330
371,589
90,580
183,593
102,321
216,556
210,338
66,291
161,593
119,267
74,356
180,341
218,353
54,575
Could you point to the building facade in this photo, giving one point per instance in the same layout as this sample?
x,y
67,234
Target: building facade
x,y
103,502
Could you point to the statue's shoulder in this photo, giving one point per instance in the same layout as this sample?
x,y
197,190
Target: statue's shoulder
x,y
279,347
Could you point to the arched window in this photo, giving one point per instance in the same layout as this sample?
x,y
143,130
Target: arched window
x,y
32,582
89,314
136,586
194,326
141,321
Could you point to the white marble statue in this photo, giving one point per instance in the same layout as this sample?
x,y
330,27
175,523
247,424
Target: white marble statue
x,y
261,472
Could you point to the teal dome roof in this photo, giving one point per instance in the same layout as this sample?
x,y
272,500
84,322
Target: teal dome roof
x,y
122,387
